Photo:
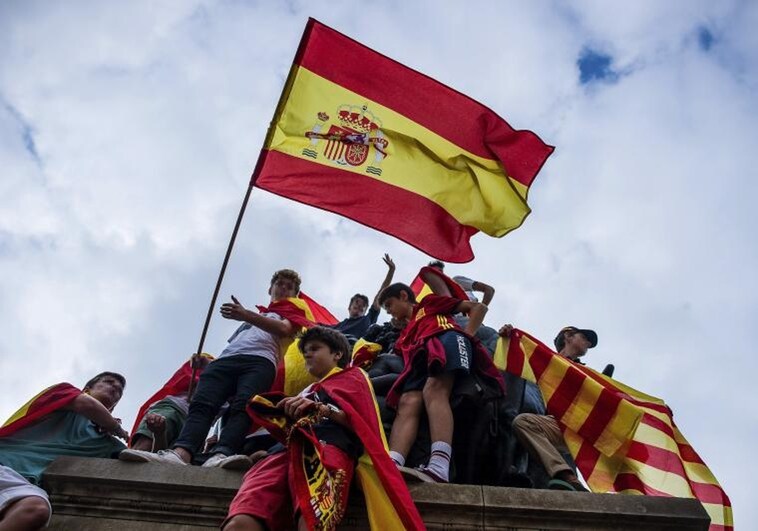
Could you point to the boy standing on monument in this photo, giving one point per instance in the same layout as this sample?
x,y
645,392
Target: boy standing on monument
x,y
436,351
245,368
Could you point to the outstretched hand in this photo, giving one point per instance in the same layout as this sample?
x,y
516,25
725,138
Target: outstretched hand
x,y
389,262
233,310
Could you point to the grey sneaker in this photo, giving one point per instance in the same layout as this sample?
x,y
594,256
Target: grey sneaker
x,y
142,456
214,460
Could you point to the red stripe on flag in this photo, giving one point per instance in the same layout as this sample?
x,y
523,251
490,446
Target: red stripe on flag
x,y
710,493
586,458
630,481
514,358
608,384
539,360
452,115
658,424
689,454
601,414
565,393
656,457
423,220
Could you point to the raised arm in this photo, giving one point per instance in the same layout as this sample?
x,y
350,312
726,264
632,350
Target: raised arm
x,y
95,411
387,280
234,310
476,312
486,289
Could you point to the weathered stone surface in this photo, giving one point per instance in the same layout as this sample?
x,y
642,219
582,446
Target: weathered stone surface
x,y
105,494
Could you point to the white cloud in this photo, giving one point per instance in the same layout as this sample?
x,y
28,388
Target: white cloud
x,y
146,123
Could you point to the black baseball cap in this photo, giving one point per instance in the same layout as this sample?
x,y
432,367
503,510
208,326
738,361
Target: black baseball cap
x,y
560,342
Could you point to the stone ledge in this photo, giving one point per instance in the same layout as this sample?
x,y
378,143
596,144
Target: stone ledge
x,y
106,494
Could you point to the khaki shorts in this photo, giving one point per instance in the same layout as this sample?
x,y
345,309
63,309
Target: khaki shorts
x,y
14,486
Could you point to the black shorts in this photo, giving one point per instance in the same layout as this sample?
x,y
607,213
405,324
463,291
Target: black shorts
x,y
459,356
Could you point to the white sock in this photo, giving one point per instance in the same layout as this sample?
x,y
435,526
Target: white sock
x,y
439,462
397,458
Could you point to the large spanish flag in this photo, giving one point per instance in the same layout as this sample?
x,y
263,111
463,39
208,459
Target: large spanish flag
x,y
621,439
368,138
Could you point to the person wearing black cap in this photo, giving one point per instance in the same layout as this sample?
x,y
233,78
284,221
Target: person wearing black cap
x,y
540,434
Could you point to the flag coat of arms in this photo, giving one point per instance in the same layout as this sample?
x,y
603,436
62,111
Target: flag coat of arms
x,y
361,135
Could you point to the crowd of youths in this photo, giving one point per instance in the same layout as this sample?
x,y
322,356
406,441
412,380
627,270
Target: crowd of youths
x,y
302,453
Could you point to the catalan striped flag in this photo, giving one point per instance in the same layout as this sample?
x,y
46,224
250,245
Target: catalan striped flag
x,y
368,138
621,439
49,400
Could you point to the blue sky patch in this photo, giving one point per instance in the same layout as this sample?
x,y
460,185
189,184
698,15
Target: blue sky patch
x,y
704,38
595,66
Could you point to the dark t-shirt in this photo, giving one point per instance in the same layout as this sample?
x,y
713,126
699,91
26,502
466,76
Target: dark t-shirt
x,y
334,434
358,326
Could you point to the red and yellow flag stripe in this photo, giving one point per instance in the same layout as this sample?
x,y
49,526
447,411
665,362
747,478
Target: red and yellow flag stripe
x,y
622,440
410,157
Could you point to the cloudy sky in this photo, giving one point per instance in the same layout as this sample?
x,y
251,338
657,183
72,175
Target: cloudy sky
x,y
127,137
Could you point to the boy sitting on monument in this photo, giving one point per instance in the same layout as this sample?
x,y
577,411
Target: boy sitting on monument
x,y
245,368
61,420
436,352
326,429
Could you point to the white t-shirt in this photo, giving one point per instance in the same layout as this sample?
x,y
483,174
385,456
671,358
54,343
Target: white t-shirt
x,y
468,286
250,340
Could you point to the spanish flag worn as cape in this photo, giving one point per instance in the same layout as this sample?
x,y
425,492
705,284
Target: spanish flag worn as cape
x,y
361,135
302,311
388,502
421,289
51,399
622,440
177,385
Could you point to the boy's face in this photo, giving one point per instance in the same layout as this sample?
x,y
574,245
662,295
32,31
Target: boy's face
x,y
400,308
107,391
319,358
357,308
282,288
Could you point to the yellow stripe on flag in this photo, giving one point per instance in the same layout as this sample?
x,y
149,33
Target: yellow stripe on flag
x,y
484,197
23,410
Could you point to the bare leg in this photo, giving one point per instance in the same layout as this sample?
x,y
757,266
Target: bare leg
x,y
184,454
301,525
142,442
27,514
437,392
243,522
405,426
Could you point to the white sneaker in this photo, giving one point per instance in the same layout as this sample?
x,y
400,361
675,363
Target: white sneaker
x,y
214,460
142,456
232,462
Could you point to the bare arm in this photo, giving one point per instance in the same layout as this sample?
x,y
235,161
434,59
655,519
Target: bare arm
x,y
387,280
234,310
486,289
91,408
476,312
436,284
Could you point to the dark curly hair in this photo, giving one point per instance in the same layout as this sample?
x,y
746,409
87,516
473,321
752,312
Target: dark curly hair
x,y
335,340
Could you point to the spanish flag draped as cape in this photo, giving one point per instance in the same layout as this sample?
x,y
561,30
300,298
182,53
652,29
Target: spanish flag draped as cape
x,y
421,289
302,311
177,385
51,399
388,501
